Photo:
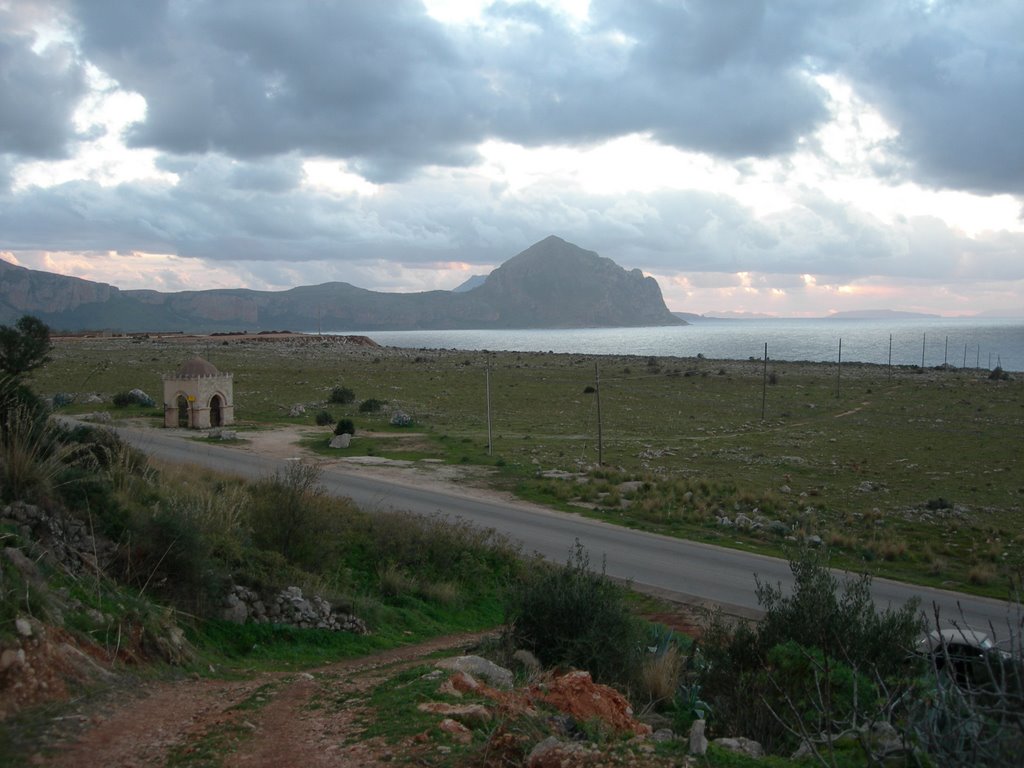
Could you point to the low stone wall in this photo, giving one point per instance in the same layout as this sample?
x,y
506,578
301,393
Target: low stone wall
x,y
288,607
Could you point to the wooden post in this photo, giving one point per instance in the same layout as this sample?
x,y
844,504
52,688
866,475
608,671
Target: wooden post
x,y
487,387
965,356
597,394
945,353
924,337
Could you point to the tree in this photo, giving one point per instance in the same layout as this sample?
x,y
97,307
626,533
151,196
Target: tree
x,y
24,347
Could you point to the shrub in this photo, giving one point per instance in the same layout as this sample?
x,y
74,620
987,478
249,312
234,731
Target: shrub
x,y
323,418
342,395
823,657
371,405
344,426
998,374
135,397
575,616
291,514
169,556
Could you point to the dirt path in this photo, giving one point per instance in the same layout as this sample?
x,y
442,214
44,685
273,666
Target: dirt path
x,y
272,720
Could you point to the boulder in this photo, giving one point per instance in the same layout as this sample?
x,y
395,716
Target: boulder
x,y
480,668
698,741
296,410
344,440
741,745
467,714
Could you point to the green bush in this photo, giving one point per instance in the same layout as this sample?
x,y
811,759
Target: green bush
x,y
823,657
371,406
167,556
323,418
126,399
575,616
342,395
345,426
291,514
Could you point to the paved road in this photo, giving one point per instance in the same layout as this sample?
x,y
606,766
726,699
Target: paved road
x,y
692,572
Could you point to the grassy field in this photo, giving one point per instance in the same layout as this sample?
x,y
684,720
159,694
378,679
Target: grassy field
x,y
915,474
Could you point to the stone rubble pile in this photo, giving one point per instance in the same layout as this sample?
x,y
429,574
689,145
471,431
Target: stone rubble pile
x,y
64,541
288,607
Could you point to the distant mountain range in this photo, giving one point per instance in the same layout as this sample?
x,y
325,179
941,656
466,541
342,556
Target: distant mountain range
x,y
552,284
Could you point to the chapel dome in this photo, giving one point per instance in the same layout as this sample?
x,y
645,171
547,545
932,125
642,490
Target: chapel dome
x,y
197,367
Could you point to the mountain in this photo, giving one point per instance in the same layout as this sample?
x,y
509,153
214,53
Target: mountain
x,y
877,314
473,282
552,284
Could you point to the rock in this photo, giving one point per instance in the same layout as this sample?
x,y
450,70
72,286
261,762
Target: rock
x,y
785,489
698,741
741,745
663,734
467,714
456,730
480,668
630,486
555,753
296,410
400,419
576,694
778,527
459,683
344,440
12,657
742,521
100,417
235,610
526,661
92,399
25,565
141,398
23,626
814,540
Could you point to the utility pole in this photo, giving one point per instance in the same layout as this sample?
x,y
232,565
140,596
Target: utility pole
x,y
597,394
764,381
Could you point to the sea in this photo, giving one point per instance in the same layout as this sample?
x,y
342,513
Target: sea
x,y
958,342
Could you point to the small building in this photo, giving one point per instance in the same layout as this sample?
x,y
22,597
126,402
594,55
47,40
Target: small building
x,y
198,396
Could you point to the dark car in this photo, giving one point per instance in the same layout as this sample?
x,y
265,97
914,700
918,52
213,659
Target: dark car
x,y
968,655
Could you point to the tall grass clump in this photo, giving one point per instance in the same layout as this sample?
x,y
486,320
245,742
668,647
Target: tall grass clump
x,y
573,615
32,457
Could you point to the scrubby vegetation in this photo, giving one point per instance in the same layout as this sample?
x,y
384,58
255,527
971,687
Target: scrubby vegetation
x,y
823,670
576,617
856,470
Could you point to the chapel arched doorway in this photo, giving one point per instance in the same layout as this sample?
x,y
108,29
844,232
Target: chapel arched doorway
x,y
183,411
216,419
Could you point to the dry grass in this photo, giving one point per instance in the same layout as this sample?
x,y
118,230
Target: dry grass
x,y
659,675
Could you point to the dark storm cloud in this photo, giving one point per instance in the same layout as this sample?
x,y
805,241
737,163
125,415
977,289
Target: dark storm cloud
x,y
391,90
38,92
950,77
388,87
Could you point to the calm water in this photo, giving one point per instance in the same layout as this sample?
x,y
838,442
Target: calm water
x,y
982,342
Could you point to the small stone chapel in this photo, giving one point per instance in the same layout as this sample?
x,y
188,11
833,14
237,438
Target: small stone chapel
x,y
198,396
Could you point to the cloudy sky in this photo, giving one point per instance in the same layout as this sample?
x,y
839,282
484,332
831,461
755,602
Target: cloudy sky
x,y
792,157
